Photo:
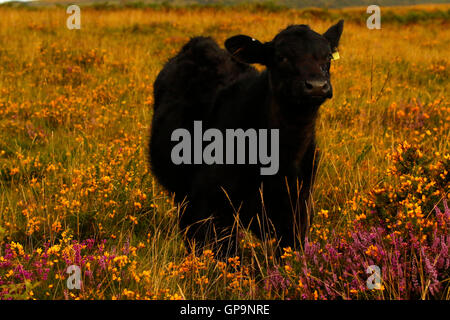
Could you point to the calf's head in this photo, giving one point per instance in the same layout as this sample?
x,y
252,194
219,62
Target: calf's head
x,y
298,61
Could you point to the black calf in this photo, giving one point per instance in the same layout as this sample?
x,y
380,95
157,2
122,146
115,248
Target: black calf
x,y
220,88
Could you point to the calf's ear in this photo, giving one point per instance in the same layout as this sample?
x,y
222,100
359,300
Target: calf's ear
x,y
334,34
246,49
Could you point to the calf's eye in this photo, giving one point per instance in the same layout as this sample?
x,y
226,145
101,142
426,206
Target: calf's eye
x,y
325,67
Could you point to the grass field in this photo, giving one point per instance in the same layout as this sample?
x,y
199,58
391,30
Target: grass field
x,y
75,187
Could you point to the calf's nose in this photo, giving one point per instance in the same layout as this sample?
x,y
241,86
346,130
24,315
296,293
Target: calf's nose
x,y
317,87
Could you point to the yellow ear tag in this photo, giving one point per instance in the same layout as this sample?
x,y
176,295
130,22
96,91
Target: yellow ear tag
x,y
335,55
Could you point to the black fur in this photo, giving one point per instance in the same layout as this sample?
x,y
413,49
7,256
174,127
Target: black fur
x,y
204,82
